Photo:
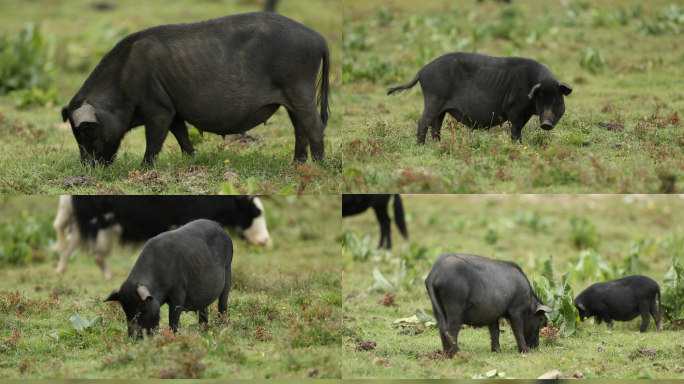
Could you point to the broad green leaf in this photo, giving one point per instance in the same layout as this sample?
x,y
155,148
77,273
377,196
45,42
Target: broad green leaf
x,y
229,189
286,190
491,373
381,280
96,322
78,322
65,330
113,331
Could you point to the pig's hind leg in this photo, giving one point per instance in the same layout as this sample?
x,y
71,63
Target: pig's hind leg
x,y
436,126
430,114
223,298
656,316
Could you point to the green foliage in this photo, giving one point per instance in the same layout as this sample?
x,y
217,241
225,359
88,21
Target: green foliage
x,y
583,233
403,278
673,296
549,272
491,237
34,96
358,40
592,60
79,325
561,298
85,51
357,248
413,255
25,238
25,59
372,69
671,19
385,16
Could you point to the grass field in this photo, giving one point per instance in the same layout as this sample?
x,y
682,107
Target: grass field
x,y
284,307
624,60
525,229
38,150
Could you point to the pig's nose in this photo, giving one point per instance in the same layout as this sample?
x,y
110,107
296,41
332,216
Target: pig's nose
x,y
547,125
262,242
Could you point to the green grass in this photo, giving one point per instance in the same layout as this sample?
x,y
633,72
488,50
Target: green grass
x,y
387,43
39,150
284,307
443,224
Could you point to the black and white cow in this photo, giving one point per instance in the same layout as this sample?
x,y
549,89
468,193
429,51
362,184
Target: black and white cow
x,y
355,204
96,222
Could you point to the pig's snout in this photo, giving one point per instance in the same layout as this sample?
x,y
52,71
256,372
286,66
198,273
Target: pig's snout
x,y
547,125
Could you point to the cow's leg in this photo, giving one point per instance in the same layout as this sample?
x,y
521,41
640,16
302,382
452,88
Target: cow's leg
x,y
100,260
516,323
384,219
436,126
203,315
307,123
65,213
180,132
74,240
494,336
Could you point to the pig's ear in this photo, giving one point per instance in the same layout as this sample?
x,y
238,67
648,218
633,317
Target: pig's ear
x,y
65,113
144,293
544,308
85,114
114,296
581,306
533,91
565,89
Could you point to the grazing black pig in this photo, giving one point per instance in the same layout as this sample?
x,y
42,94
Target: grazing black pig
x,y
355,204
483,91
477,291
224,75
187,268
623,300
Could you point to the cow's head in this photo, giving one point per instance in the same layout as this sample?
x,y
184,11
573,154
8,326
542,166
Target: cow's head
x,y
97,132
141,308
549,102
536,317
252,220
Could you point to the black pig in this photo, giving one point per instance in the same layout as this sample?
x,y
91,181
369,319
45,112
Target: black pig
x,y
224,75
187,268
623,300
483,91
477,291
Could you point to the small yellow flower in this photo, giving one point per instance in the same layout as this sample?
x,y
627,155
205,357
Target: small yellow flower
x,y
645,118
284,307
629,146
524,147
226,161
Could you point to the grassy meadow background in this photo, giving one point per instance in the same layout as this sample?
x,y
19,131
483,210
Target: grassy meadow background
x,y
39,151
526,229
284,307
624,60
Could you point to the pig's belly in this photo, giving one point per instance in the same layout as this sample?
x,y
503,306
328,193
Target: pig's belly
x,y
477,116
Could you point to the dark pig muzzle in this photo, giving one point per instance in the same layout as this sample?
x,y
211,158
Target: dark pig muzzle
x,y
547,124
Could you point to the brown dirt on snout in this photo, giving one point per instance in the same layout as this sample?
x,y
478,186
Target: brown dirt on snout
x,y
366,346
